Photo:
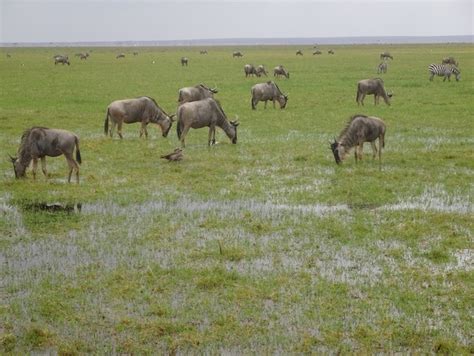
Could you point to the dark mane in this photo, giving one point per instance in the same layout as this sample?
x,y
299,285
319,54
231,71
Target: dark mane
x,y
348,124
24,149
278,88
220,108
159,107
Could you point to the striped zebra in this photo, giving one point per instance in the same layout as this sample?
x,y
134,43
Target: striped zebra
x,y
444,70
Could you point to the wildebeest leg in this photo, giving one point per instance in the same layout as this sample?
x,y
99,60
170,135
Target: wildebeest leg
x,y
119,129
112,128
183,135
212,135
35,167
72,166
43,166
362,96
374,149
143,130
273,103
265,104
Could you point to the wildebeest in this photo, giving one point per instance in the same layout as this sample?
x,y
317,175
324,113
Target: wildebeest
x,y
299,53
184,61
195,93
176,155
202,113
359,129
39,142
261,70
203,52
135,53
120,55
331,51
143,109
249,70
450,60
61,59
374,87
84,56
444,70
280,71
385,55
382,67
237,54
267,91
317,52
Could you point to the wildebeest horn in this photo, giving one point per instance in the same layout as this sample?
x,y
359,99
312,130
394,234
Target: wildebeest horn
x,y
172,117
13,159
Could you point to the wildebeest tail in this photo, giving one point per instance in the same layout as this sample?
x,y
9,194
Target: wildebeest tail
x,y
78,152
179,129
106,123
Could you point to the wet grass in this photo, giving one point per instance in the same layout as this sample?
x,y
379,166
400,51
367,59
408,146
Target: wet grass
x,y
261,247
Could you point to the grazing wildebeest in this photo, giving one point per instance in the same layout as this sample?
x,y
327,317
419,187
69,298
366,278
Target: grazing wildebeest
x,y
203,52
39,142
195,93
202,113
382,67
299,53
237,54
317,52
249,70
143,109
444,70
385,55
280,71
61,59
120,55
359,129
261,70
184,61
372,87
450,60
267,91
331,51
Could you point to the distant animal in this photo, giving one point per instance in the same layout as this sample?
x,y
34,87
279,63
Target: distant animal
x,y
77,54
372,87
331,51
450,60
198,92
265,92
385,55
444,70
135,53
176,155
61,59
261,70
299,53
249,70
203,52
84,56
279,71
184,61
382,67
9,55
359,129
39,142
202,113
237,54
120,55
317,52
143,109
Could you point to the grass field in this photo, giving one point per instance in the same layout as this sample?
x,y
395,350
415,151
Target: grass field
x,y
262,247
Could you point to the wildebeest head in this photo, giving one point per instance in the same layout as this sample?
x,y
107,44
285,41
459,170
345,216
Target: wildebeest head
x,y
18,168
235,123
166,124
282,100
335,150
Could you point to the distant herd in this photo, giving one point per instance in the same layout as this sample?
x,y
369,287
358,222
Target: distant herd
x,y
197,108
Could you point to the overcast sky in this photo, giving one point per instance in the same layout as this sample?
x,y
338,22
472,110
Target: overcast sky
x,y
127,20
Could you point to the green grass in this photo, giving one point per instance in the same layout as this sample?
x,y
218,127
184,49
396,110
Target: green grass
x,y
261,247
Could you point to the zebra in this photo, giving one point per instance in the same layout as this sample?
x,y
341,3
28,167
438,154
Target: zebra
x,y
444,70
382,68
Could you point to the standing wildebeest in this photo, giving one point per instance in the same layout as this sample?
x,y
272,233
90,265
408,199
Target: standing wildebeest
x,y
203,52
39,142
299,53
237,54
372,87
135,53
261,70
359,129
184,61
120,55
444,70
317,52
195,93
450,60
280,71
61,59
331,51
385,55
143,109
249,70
382,68
202,113
267,91
84,56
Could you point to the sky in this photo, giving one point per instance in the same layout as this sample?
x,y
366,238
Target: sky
x,y
159,20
